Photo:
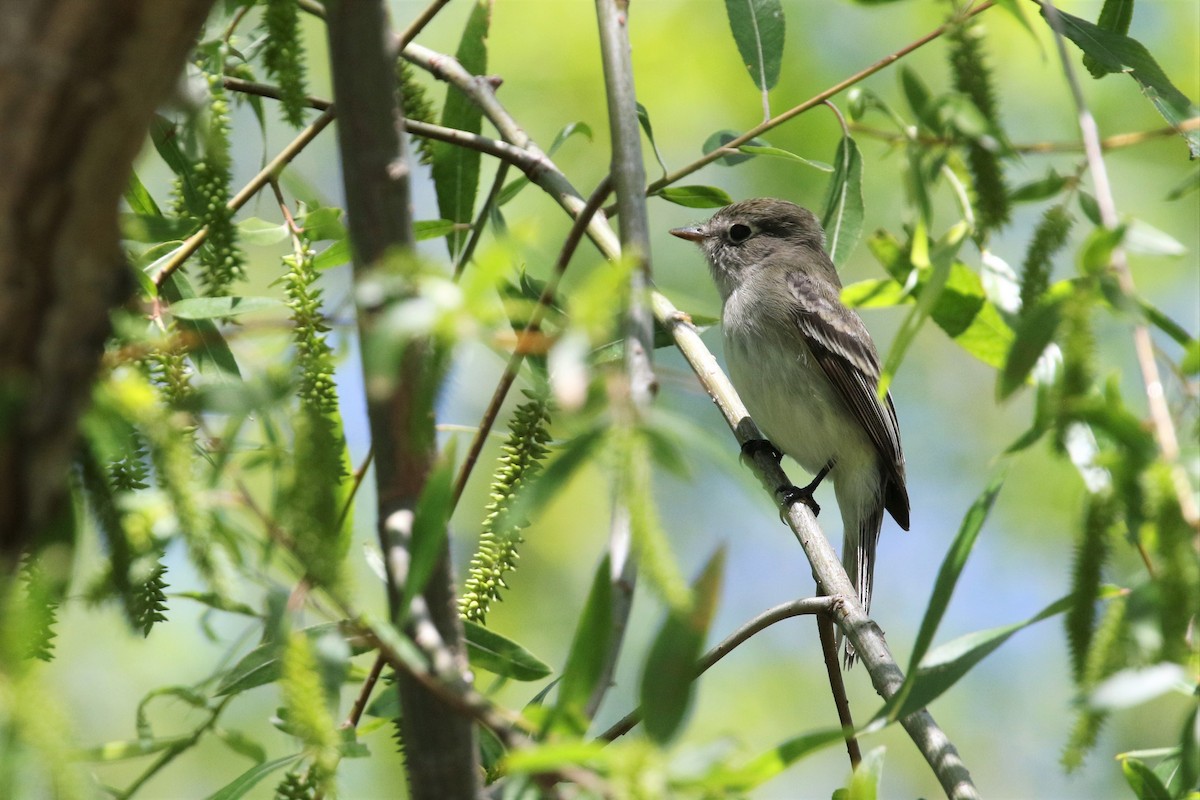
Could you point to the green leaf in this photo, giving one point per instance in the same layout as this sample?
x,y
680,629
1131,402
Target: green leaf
x,y
261,232
335,255
1145,784
324,223
644,120
424,229
139,198
570,129
778,152
1190,364
456,169
952,567
430,526
864,783
724,137
196,308
668,680
1115,16
1142,237
695,196
251,777
493,652
585,660
133,748
738,780
875,293
758,30
1041,189
1095,256
153,228
919,97
946,664
211,349
241,744
1035,330
264,664
1114,52
843,217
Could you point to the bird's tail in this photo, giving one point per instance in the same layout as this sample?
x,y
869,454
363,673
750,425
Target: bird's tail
x,y
858,555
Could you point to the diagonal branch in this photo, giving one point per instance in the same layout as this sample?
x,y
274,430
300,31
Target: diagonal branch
x,y
868,640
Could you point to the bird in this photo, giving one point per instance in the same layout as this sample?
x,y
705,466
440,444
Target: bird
x,y
807,369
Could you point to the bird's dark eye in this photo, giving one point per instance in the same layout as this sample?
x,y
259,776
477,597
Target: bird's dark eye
x,y
739,233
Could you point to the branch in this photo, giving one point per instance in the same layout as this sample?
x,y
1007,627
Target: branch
x,y
441,751
820,606
886,676
1114,142
1143,344
633,392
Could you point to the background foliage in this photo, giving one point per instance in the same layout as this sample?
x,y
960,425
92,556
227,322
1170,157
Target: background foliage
x,y
224,529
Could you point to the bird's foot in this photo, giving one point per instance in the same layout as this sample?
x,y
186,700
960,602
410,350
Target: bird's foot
x,y
752,447
789,495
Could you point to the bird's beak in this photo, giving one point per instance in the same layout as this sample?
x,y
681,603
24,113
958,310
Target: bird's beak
x,y
692,234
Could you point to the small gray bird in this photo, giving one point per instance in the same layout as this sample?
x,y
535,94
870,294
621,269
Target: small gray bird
x,y
806,368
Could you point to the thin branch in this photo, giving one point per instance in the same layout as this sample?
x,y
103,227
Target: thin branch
x,y
815,100
418,24
481,221
886,675
530,333
1114,142
821,606
252,187
837,687
1160,412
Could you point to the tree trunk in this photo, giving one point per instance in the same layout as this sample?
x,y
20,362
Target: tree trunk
x,y
79,82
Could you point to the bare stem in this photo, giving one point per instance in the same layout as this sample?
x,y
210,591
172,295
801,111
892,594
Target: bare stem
x,y
1143,344
821,606
837,687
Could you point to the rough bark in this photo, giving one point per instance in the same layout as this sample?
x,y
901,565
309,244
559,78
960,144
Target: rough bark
x,y
79,82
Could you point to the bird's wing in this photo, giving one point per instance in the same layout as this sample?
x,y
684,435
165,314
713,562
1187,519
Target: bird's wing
x,y
841,345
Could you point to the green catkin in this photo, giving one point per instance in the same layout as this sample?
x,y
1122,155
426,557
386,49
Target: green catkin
x,y
1049,238
1091,553
973,78
520,462
283,57
1102,659
150,601
416,107
221,258
39,613
297,786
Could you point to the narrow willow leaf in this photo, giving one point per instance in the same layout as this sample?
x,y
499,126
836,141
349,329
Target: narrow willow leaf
x,y
919,98
261,232
724,137
945,665
133,748
212,350
264,664
875,293
758,30
196,308
843,216
513,188
335,255
1114,52
695,196
456,169
139,198
252,777
1190,364
778,152
1034,332
864,783
1041,189
730,780
431,519
1142,780
493,652
1115,16
644,120
668,679
952,567
585,660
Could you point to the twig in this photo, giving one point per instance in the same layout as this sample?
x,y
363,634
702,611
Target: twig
x,y
1143,344
886,676
821,606
1114,142
815,100
837,687
418,24
271,170
531,330
480,221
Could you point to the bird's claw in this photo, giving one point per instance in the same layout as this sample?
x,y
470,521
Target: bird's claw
x,y
790,495
752,447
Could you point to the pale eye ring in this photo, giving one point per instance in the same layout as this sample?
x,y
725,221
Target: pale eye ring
x,y
739,233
